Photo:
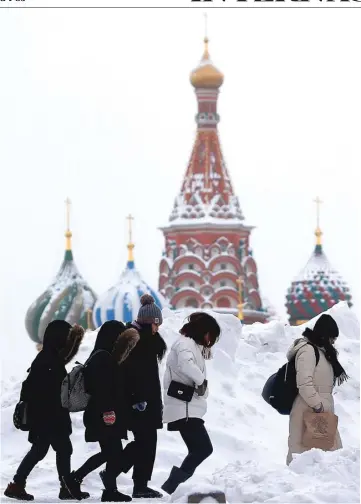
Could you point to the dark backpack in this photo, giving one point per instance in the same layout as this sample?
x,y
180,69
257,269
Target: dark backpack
x,y
74,396
280,390
20,416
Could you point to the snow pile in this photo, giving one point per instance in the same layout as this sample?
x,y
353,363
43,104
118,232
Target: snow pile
x,y
249,438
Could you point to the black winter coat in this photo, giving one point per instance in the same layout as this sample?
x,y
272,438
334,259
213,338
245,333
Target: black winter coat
x,y
104,384
140,373
41,390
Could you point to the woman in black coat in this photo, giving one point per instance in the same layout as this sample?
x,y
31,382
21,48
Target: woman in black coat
x,y
105,417
140,373
49,422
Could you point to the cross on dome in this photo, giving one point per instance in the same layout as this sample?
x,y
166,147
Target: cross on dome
x,y
318,231
130,245
68,233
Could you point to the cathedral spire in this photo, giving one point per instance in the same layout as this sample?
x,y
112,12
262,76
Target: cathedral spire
x,y
68,233
130,246
206,40
318,232
206,75
207,194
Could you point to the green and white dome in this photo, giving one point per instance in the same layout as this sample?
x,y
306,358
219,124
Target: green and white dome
x,y
68,298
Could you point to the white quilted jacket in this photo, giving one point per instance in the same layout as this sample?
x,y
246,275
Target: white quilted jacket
x,y
185,364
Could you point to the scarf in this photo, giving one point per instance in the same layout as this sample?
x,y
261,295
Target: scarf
x,y
331,354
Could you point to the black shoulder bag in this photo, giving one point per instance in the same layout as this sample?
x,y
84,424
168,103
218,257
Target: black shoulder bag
x,y
180,391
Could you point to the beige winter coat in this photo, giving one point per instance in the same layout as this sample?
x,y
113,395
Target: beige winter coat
x,y
315,386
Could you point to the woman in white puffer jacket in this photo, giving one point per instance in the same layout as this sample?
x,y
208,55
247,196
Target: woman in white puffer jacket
x,y
187,367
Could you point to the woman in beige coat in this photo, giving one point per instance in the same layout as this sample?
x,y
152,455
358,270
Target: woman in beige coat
x,y
315,383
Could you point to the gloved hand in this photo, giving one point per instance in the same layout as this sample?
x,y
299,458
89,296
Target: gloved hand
x,y
109,417
140,406
319,409
201,389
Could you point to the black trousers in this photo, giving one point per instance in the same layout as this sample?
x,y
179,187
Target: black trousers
x,y
198,443
112,454
140,454
63,448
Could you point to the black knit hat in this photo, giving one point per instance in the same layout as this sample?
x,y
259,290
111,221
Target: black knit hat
x,y
326,327
149,312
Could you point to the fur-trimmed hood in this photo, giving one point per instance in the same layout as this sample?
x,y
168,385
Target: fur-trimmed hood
x,y
73,342
124,344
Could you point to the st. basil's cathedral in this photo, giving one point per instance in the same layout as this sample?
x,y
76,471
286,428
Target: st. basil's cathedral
x,y
207,261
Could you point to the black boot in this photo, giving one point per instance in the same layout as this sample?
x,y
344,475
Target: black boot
x,y
176,477
17,491
110,492
115,496
144,492
70,488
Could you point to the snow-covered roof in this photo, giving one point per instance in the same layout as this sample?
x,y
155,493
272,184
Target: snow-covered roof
x,y
317,264
205,222
207,194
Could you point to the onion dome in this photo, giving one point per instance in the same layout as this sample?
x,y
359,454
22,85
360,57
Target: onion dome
x,y
206,75
68,298
122,301
317,287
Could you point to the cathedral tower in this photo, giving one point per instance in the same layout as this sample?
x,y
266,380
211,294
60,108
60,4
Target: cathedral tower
x,y
207,262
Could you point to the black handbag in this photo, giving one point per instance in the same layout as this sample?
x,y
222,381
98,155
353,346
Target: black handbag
x,y
20,417
181,391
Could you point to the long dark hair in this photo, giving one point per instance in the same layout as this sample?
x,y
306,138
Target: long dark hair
x,y
153,342
323,335
198,326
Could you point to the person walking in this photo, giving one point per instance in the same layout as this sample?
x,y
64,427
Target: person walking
x,y
105,415
140,373
186,374
315,382
49,422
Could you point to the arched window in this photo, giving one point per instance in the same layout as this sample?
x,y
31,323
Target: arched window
x,y
223,302
192,303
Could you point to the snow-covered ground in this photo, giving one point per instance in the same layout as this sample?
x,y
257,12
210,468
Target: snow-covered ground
x,y
249,438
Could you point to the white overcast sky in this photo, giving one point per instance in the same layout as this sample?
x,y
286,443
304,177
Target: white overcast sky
x,y
97,105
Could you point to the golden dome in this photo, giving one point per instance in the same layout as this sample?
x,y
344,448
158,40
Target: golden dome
x,y
206,75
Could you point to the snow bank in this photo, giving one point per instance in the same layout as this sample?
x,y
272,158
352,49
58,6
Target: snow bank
x,y
249,438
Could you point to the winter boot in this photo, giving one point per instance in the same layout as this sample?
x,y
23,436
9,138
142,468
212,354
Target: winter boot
x,y
110,492
70,488
115,496
176,477
144,492
17,491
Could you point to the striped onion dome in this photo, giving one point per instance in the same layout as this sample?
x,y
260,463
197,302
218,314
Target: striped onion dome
x,y
122,301
316,289
68,298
